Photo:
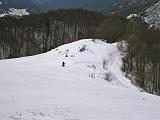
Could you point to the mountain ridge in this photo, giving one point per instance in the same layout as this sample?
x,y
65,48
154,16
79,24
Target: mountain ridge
x,y
86,4
126,7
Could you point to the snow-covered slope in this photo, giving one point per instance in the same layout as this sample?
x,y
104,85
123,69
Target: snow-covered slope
x,y
153,15
16,7
39,88
15,12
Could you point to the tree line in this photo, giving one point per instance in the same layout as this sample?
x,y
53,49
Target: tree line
x,y
143,58
38,33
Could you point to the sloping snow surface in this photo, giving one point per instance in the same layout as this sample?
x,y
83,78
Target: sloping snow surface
x,y
15,12
91,86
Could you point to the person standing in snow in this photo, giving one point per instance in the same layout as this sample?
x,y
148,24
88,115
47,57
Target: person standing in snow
x,y
63,64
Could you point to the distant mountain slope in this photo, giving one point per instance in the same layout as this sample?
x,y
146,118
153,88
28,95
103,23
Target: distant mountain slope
x,y
126,7
56,4
6,5
15,12
152,15
121,7
144,10
87,4
41,2
98,4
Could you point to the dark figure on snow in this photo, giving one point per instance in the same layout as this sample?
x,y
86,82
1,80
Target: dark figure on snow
x,y
63,64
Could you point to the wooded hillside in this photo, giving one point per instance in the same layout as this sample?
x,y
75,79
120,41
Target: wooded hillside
x,y
39,33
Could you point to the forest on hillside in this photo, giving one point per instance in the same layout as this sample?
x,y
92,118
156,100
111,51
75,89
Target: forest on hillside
x,y
142,61
39,33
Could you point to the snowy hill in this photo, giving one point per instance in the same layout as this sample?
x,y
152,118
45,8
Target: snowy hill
x,y
16,7
15,12
91,86
153,15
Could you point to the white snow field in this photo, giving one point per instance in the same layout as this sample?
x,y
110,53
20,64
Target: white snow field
x,y
39,88
15,12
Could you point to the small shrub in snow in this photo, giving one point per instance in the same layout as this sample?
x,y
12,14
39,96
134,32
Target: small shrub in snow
x,y
84,47
92,66
72,56
91,75
94,40
105,63
108,77
66,55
